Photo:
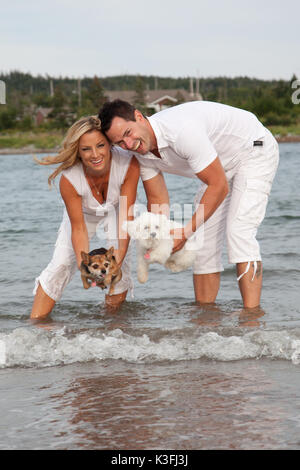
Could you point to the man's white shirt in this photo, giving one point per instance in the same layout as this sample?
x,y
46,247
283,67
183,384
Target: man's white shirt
x,y
191,135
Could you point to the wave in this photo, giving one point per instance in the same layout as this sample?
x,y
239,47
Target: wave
x,y
25,347
282,217
17,231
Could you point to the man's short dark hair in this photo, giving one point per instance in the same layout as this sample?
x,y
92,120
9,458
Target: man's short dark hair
x,y
116,108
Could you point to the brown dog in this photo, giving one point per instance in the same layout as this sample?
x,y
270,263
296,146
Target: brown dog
x,y
99,267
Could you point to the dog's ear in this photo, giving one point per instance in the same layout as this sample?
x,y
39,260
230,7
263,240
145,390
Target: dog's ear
x,y
85,257
110,253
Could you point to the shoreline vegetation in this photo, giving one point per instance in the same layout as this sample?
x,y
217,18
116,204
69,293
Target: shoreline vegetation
x,y
23,142
37,110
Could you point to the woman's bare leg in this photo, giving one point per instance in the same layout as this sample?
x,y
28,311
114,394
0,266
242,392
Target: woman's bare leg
x,y
115,301
42,304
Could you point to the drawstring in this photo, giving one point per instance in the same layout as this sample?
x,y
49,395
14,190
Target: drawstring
x,y
247,269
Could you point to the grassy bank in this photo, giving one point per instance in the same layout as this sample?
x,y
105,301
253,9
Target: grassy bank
x,y
284,131
35,140
39,140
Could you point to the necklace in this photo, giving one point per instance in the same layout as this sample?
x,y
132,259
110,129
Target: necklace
x,y
98,190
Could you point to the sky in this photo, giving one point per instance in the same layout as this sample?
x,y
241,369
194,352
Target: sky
x,y
167,38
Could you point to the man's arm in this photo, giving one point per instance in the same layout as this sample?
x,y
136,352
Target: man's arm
x,y
157,195
217,189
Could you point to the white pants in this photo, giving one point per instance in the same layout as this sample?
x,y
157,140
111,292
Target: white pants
x,y
239,216
62,267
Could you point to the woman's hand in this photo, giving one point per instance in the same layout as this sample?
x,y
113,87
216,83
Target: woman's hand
x,y
119,257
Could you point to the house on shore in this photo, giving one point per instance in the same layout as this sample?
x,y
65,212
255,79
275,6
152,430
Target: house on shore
x,y
157,100
41,115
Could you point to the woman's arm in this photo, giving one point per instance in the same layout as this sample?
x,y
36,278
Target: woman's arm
x,y
127,200
73,205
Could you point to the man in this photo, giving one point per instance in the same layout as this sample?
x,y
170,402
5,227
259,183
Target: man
x,y
235,157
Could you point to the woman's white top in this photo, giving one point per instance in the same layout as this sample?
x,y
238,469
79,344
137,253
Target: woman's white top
x,y
120,162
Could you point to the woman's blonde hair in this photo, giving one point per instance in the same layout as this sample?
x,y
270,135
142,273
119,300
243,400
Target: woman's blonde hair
x,y
68,155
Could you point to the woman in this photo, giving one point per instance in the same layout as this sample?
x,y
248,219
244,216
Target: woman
x,y
94,176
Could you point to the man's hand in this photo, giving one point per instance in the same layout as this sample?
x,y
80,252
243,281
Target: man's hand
x,y
179,239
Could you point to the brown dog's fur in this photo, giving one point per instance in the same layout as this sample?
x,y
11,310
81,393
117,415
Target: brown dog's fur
x,y
100,267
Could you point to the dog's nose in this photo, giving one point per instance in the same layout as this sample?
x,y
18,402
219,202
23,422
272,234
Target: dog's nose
x,y
153,234
103,271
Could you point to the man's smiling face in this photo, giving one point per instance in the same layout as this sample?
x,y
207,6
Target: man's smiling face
x,y
136,136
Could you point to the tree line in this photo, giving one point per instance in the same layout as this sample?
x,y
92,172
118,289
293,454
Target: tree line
x,y
70,98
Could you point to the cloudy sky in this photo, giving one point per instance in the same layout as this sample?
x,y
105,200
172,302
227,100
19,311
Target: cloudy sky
x,y
178,38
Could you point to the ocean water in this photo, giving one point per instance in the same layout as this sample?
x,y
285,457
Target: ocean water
x,y
163,372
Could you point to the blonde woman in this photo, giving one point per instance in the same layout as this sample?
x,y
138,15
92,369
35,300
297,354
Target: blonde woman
x,y
93,177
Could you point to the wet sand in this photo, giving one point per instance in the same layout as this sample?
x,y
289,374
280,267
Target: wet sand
x,y
185,405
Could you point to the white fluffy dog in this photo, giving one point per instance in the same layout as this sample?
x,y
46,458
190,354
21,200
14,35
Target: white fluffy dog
x,y
155,244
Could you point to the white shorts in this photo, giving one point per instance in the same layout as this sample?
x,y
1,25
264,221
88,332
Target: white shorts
x,y
55,277
239,216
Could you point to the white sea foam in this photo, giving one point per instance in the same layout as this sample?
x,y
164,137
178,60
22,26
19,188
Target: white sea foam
x,y
25,347
2,353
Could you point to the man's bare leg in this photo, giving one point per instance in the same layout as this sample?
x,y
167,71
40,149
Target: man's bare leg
x,y
206,287
42,304
250,289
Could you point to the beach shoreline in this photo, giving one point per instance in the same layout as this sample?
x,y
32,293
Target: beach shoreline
x,y
32,149
26,150
287,139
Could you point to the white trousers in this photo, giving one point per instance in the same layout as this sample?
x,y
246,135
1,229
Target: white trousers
x,y
62,267
237,219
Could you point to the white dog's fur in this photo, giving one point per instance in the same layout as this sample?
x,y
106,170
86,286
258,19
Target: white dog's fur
x,y
155,244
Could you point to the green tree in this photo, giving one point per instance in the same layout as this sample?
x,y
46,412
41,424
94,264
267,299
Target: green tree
x,y
93,98
7,118
140,95
96,93
60,113
42,99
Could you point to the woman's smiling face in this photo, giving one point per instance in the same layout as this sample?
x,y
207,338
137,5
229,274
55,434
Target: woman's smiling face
x,y
94,151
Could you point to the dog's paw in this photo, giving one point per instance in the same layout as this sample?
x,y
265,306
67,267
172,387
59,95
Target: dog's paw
x,y
172,266
142,277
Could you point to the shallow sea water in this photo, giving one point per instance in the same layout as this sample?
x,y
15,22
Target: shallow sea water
x,y
162,373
